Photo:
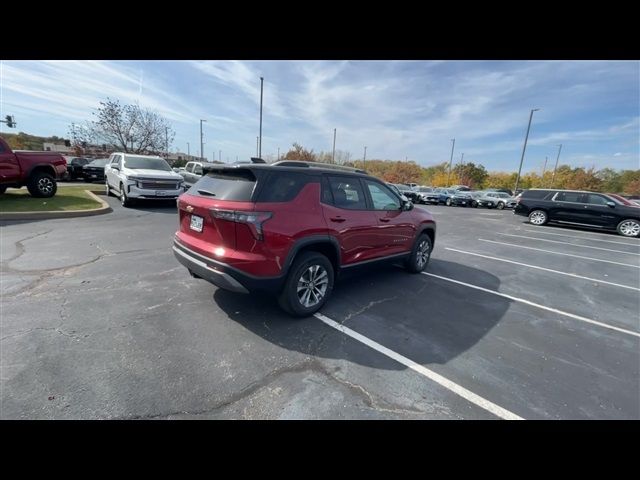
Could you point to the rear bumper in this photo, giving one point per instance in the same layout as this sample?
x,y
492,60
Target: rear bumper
x,y
222,275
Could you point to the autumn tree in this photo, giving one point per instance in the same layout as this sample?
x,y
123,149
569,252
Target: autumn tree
x,y
127,128
298,152
470,174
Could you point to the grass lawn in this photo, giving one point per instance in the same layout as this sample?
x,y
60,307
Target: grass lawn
x,y
66,198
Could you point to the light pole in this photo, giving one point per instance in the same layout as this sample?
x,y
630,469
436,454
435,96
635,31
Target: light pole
x,y
219,155
364,157
166,138
462,159
524,147
201,142
188,150
544,168
260,145
333,156
257,146
453,144
553,177
278,153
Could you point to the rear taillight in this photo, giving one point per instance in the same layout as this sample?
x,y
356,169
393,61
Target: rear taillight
x,y
253,220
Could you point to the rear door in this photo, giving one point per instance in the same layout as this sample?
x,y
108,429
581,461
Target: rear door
x,y
9,166
568,207
395,228
350,220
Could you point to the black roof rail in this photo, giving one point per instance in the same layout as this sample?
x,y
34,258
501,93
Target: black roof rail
x,y
328,166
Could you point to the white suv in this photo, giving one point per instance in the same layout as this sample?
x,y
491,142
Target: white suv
x,y
134,176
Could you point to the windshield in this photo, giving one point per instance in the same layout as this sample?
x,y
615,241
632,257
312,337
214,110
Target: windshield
x,y
100,162
425,189
147,163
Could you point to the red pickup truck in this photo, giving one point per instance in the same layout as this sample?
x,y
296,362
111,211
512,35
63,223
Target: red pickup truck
x,y
39,171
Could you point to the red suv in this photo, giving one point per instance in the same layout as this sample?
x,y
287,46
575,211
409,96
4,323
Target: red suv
x,y
291,227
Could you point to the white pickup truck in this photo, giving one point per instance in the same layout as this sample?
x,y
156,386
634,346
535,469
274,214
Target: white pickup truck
x,y
133,176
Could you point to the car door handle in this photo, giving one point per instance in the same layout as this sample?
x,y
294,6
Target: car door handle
x,y
337,219
385,220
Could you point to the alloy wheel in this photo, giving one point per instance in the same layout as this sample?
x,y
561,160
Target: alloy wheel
x,y
312,286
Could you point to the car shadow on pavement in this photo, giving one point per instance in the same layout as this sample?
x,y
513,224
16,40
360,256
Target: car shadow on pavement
x,y
426,319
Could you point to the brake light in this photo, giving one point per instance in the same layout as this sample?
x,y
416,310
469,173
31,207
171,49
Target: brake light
x,y
253,220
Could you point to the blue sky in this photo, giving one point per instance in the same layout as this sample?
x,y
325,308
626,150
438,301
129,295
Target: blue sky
x,y
397,109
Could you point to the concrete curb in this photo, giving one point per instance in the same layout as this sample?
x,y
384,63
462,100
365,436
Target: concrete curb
x,y
104,208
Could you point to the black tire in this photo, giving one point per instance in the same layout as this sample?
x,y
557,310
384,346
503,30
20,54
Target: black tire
x,y
300,271
417,263
500,206
107,188
629,228
2,190
124,200
474,204
447,202
538,217
42,185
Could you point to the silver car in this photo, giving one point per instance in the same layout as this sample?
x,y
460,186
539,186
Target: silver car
x,y
499,200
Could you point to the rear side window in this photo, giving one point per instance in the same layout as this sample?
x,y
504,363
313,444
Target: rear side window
x,y
283,186
538,194
573,197
234,185
596,199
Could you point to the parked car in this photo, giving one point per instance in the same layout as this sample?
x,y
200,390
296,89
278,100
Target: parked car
x,y
94,170
446,195
290,228
499,200
408,192
466,199
503,190
192,172
623,200
75,167
146,177
461,188
579,208
433,197
421,194
38,171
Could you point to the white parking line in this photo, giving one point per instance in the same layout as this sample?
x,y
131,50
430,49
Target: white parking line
x,y
585,232
542,231
537,305
558,253
566,243
545,269
416,367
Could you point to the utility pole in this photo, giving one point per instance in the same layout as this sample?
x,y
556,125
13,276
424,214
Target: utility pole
x,y
553,177
333,156
260,145
524,147
201,142
453,144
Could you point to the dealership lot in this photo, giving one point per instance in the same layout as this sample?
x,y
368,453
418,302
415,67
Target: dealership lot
x,y
509,321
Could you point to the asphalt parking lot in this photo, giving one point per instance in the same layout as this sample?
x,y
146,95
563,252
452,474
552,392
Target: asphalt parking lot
x,y
99,321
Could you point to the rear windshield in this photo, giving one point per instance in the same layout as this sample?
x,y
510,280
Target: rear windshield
x,y
101,162
234,185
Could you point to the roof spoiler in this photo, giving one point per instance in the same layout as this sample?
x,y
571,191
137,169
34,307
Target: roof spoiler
x,y
329,166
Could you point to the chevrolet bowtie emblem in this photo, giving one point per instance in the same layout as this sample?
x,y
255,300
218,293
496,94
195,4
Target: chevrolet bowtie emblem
x,y
189,208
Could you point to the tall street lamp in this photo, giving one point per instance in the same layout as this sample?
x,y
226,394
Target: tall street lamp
x,y
260,146
201,142
453,144
364,157
333,156
553,177
524,147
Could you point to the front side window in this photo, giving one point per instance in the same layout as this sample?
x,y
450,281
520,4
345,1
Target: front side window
x,y
381,197
347,193
596,199
197,169
189,167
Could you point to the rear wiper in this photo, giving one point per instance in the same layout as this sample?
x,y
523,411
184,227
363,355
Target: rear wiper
x,y
206,192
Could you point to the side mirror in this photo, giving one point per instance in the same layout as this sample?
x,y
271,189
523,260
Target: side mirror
x,y
406,206
611,204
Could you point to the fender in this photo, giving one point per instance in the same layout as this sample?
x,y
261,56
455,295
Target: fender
x,y
305,242
48,166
